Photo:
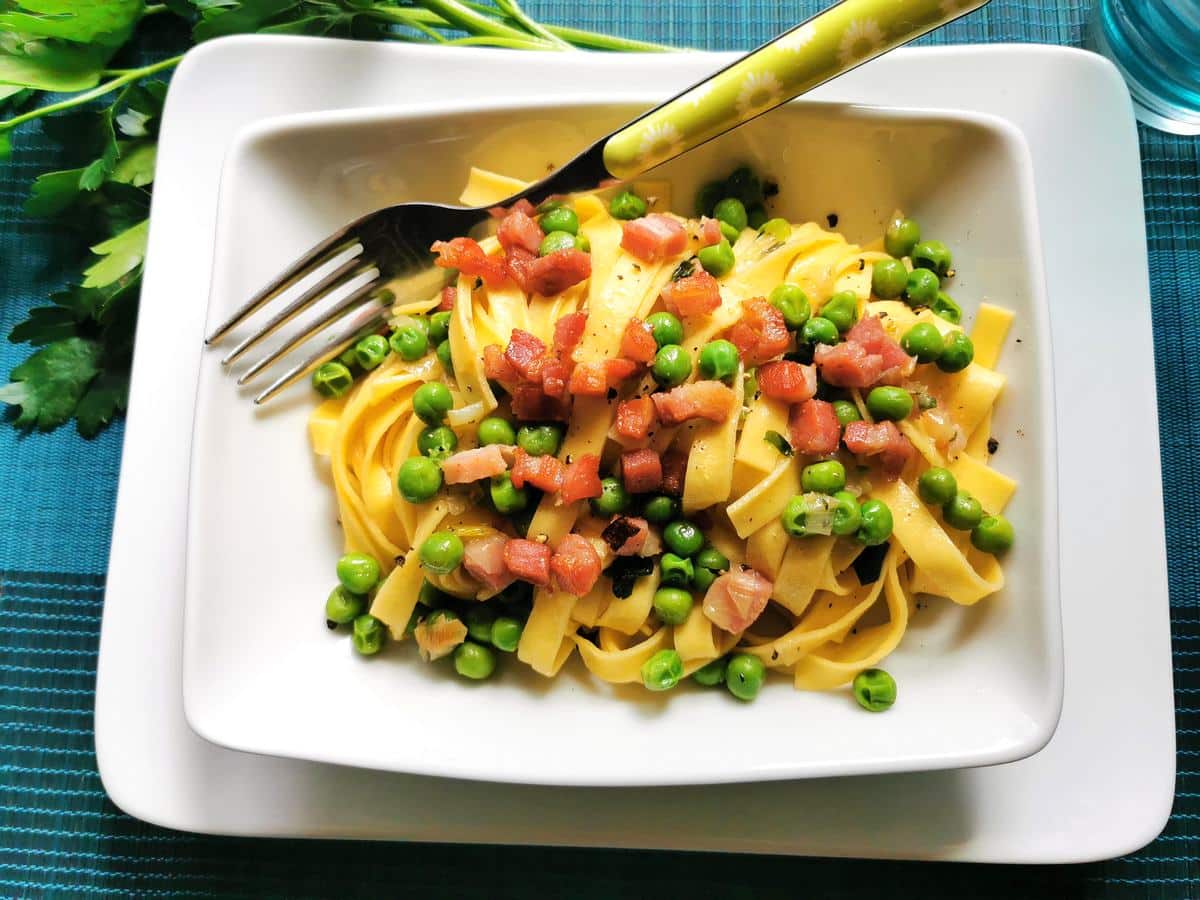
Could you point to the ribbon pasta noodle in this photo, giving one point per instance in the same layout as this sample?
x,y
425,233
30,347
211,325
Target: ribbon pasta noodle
x,y
767,526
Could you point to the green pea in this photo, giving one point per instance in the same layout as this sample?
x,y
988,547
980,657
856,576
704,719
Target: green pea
x,y
731,211
555,241
442,552
371,351
343,606
548,205
846,412
707,197
495,430
923,341
993,534
819,330
717,259
439,326
779,229
666,328
683,538
437,443
711,673
561,219
582,243
792,303
841,309
431,402
921,288
932,255
663,670
540,440
945,307
957,354
480,620
827,477
409,342
744,675
419,479
703,580
889,403
794,517
627,205
677,571
368,635
846,517
672,365
358,572
901,236
719,360
756,215
874,689
660,510
713,559
728,232
962,511
506,633
474,661
507,497
876,524
888,279
332,379
348,359
673,604
613,498
445,358
937,486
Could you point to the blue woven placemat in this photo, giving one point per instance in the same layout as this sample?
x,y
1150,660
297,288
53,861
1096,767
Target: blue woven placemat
x,y
59,834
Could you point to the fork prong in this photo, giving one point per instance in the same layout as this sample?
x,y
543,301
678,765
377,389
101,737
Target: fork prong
x,y
364,320
323,253
335,280
336,312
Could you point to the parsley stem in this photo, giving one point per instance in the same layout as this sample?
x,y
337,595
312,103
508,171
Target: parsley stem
x,y
85,96
512,9
477,24
153,9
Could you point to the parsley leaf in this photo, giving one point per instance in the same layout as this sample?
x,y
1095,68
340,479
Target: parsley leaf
x,y
119,255
105,397
49,385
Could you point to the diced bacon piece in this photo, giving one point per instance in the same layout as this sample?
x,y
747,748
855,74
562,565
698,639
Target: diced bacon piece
x,y
637,343
617,370
696,295
641,471
568,331
528,560
654,237
761,333
553,274
626,535
869,334
787,381
674,466
543,472
497,367
882,439
581,479
653,544
531,404
467,256
518,229
848,365
483,558
555,374
516,263
448,295
523,350
522,205
575,565
471,465
814,428
699,400
736,599
710,232
439,638
635,418
589,379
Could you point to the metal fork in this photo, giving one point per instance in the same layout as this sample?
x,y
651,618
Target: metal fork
x,y
386,254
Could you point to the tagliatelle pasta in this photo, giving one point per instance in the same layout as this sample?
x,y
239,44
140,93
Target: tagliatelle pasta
x,y
669,445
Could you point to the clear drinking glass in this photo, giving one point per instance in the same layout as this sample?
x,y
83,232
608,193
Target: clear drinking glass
x,y
1156,46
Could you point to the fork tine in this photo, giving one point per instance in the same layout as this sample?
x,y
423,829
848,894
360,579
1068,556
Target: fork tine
x,y
365,320
292,343
338,278
318,256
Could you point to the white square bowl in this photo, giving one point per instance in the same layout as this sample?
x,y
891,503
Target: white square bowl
x,y
978,686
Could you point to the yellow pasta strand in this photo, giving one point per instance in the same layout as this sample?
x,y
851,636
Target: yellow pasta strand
x,y
621,666
545,629
709,477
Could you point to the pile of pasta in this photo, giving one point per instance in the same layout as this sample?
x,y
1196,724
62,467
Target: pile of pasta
x,y
822,626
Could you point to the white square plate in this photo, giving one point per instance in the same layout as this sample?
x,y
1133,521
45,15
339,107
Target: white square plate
x,y
1102,787
980,685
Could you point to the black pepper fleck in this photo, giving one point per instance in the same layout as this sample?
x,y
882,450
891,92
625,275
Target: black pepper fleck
x,y
832,219
993,445
612,394
478,283
774,655
862,264
770,188
331,625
